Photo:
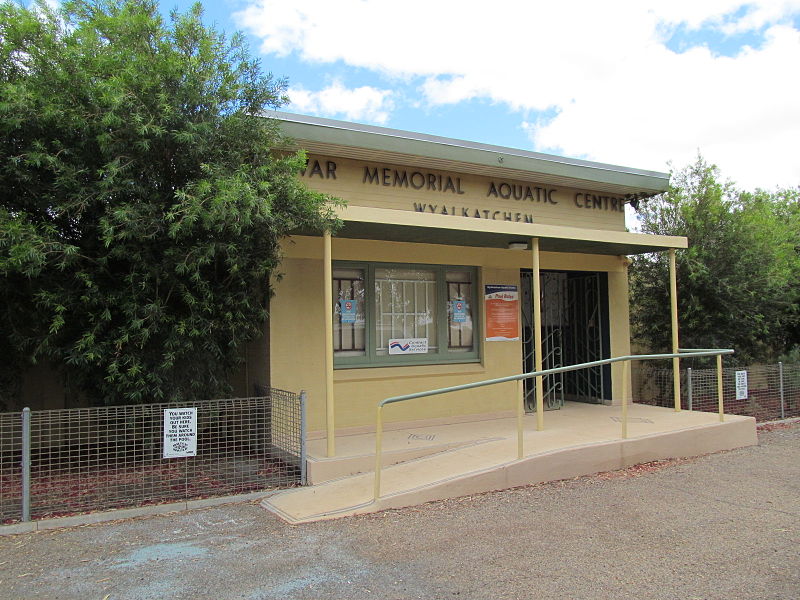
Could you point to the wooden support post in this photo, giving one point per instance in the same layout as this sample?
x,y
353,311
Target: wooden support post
x,y
673,291
537,334
330,430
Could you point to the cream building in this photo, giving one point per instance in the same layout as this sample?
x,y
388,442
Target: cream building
x,y
432,279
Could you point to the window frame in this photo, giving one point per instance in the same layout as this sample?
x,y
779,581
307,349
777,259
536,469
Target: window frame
x,y
443,355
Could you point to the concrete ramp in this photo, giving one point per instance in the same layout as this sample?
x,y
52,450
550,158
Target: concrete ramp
x,y
322,469
580,440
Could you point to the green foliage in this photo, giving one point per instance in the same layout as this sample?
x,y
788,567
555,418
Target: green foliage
x,y
143,201
737,281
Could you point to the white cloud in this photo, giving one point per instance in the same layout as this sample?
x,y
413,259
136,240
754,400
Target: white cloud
x,y
741,113
356,104
728,15
618,92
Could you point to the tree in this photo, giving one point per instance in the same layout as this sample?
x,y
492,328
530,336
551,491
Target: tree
x,y
737,281
144,197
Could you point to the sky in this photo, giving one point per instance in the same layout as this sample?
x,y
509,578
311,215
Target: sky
x,y
647,84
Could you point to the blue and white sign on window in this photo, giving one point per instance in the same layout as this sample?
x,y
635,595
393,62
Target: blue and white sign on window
x,y
348,310
459,311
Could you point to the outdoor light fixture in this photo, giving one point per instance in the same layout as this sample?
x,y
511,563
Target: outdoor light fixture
x,y
517,245
635,199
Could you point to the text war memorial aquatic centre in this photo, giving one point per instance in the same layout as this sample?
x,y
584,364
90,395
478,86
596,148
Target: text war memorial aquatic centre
x,y
454,184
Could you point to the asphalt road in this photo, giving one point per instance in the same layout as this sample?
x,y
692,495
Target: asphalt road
x,y
721,526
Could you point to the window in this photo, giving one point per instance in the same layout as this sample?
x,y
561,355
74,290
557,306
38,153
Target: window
x,y
459,322
405,307
349,338
387,314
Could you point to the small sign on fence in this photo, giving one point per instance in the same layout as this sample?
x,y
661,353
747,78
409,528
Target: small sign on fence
x,y
180,432
741,385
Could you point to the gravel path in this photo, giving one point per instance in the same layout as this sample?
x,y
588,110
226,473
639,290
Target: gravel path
x,y
721,526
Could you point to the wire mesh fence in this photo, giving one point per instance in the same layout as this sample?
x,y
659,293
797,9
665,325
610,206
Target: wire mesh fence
x,y
100,458
10,465
771,391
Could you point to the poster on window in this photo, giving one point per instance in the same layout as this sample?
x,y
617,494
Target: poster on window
x,y
741,385
459,311
180,432
502,312
408,346
348,310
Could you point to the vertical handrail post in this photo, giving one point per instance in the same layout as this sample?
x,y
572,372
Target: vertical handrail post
x,y
520,414
378,449
780,376
625,373
26,464
689,386
303,430
720,399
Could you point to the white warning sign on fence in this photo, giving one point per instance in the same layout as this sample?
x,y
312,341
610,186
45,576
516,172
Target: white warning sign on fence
x,y
741,385
180,432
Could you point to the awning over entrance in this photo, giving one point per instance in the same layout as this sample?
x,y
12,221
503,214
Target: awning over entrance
x,y
406,226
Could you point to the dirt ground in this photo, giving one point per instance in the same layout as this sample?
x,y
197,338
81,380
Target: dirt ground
x,y
720,526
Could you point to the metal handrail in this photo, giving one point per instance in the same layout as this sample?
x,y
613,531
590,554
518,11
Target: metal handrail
x,y
682,353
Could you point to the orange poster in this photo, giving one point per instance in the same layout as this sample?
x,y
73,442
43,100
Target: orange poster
x,y
502,313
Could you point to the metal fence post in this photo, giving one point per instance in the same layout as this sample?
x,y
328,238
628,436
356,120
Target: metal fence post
x,y
720,396
780,376
689,385
303,426
26,464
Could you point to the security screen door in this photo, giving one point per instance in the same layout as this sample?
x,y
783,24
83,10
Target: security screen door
x,y
572,332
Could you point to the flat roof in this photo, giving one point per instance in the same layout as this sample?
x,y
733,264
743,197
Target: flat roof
x,y
381,144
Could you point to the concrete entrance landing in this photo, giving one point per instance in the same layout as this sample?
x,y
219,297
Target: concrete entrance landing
x,y
445,461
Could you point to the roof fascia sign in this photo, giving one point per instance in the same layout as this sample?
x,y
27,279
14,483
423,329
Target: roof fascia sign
x,y
457,194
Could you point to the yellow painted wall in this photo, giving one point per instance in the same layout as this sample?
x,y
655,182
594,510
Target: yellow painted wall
x,y
619,325
297,318
565,208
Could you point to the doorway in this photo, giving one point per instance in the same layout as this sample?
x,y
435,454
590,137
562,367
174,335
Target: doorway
x,y
574,307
